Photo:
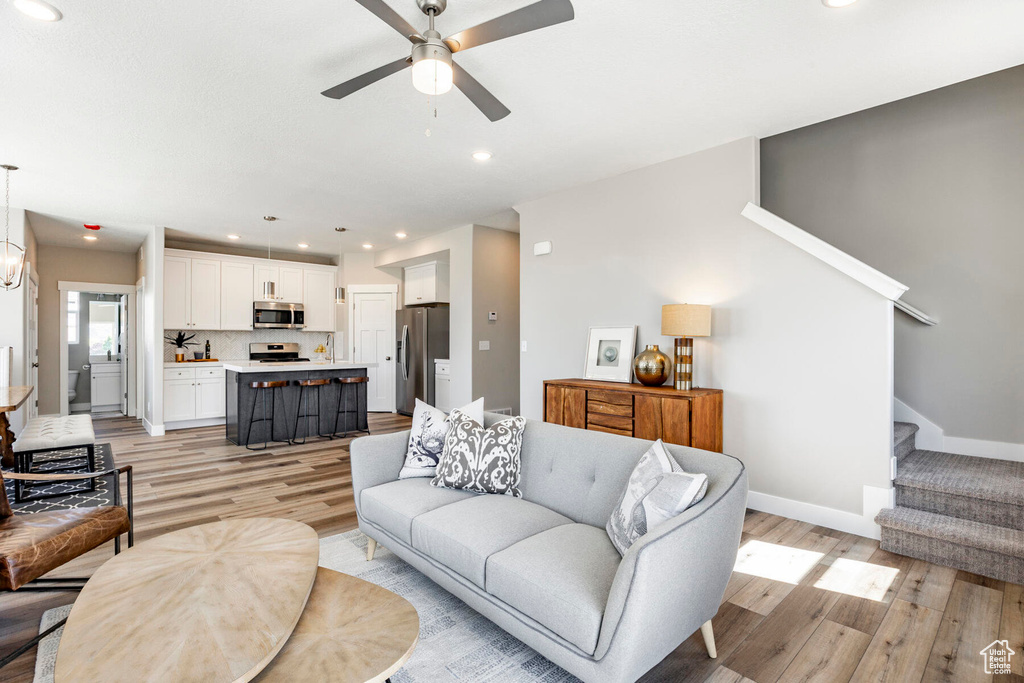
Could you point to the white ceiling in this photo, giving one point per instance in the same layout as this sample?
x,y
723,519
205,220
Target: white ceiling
x,y
204,116
69,232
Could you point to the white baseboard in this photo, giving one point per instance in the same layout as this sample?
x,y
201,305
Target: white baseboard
x,y
932,437
152,429
191,424
875,499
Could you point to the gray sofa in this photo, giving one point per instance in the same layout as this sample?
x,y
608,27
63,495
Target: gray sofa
x,y
542,567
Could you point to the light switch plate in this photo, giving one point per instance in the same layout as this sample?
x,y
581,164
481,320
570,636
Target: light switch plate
x,y
485,346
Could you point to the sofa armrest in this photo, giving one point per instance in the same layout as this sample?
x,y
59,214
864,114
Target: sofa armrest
x,y
672,579
377,460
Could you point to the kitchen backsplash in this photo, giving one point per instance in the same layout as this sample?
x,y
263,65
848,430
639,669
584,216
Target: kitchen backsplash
x,y
235,345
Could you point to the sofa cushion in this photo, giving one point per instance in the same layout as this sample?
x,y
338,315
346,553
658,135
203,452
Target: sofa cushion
x,y
561,578
394,505
463,535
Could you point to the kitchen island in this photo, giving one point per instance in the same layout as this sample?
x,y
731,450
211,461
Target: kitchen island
x,y
241,397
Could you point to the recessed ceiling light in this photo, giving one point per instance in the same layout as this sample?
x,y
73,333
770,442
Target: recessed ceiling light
x,y
234,237
482,156
836,4
401,235
303,245
367,246
91,238
38,9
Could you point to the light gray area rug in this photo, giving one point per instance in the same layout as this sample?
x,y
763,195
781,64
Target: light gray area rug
x,y
456,643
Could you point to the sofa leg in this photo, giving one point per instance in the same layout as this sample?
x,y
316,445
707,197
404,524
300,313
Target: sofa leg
x,y
371,547
709,638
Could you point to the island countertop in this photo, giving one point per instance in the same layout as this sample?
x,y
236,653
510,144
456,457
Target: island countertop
x,y
303,366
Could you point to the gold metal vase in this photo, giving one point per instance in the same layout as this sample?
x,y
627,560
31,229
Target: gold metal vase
x,y
651,366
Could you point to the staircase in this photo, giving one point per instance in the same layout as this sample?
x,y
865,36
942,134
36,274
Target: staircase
x,y
956,510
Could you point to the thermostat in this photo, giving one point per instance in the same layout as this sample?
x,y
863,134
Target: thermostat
x,y
541,248
492,315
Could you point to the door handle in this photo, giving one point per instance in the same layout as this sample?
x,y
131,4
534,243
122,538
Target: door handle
x,y
36,365
387,357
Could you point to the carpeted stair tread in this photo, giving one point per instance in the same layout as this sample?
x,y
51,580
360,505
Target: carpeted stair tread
x,y
963,475
901,431
963,532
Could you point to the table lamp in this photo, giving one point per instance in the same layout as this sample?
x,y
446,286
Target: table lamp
x,y
685,321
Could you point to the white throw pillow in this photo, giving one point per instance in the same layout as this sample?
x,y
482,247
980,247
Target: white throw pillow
x,y
657,490
426,439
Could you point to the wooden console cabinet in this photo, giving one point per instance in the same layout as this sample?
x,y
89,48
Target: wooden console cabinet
x,y
688,418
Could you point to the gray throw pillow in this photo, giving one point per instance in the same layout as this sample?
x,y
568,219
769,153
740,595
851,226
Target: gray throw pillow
x,y
657,490
481,459
426,437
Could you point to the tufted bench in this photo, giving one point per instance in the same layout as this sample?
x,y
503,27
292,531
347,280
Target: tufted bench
x,y
58,433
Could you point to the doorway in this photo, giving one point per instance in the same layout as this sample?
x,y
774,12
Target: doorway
x,y
97,349
371,316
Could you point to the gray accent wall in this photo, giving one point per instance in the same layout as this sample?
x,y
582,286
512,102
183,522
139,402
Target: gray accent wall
x,y
929,190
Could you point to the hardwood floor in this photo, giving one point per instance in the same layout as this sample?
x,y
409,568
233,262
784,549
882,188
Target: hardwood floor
x,y
805,604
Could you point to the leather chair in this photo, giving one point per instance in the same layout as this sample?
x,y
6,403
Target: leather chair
x,y
33,544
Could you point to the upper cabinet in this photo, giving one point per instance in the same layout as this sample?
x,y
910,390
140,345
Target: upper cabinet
x,y
319,304
191,293
288,280
427,283
236,298
216,292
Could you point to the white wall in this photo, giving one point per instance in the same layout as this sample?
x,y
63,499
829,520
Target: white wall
x,y
152,266
802,352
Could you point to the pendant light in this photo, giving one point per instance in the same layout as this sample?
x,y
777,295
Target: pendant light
x,y
339,292
13,256
269,287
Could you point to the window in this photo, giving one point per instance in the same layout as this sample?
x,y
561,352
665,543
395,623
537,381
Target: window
x,y
73,308
103,324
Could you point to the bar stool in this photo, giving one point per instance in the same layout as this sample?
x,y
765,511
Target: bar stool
x,y
274,388
303,385
350,386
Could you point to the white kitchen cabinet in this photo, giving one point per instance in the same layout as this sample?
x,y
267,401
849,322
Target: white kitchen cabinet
x,y
236,295
205,294
193,393
318,302
209,397
288,279
179,399
177,292
426,283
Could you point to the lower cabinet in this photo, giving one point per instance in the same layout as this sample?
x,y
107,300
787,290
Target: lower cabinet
x,y
193,394
687,418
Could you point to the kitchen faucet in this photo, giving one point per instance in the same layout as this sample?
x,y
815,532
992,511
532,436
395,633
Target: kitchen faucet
x,y
330,342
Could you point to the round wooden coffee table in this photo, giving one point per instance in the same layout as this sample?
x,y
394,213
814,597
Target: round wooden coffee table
x,y
352,631
208,603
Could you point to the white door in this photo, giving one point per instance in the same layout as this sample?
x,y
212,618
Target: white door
x,y
123,343
205,295
236,295
373,341
210,397
32,355
179,400
177,292
318,303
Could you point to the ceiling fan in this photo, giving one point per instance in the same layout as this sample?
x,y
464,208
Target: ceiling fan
x,y
433,71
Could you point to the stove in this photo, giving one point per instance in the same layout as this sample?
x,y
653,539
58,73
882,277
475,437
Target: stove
x,y
287,352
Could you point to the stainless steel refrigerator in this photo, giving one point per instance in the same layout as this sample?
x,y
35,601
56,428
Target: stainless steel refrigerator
x,y
422,337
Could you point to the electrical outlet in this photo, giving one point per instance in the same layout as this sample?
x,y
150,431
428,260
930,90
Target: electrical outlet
x,y
485,346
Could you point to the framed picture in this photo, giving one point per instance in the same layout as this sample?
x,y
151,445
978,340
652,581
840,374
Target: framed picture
x,y
610,353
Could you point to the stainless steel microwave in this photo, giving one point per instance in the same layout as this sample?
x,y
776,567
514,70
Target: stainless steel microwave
x,y
277,315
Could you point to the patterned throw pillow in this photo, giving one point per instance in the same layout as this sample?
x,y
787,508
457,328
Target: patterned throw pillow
x,y
426,439
657,490
481,459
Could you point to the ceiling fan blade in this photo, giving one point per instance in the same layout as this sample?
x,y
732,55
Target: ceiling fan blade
x,y
529,18
479,95
392,19
370,77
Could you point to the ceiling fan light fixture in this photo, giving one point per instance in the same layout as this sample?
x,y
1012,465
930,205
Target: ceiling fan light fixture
x,y
836,4
432,71
38,9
